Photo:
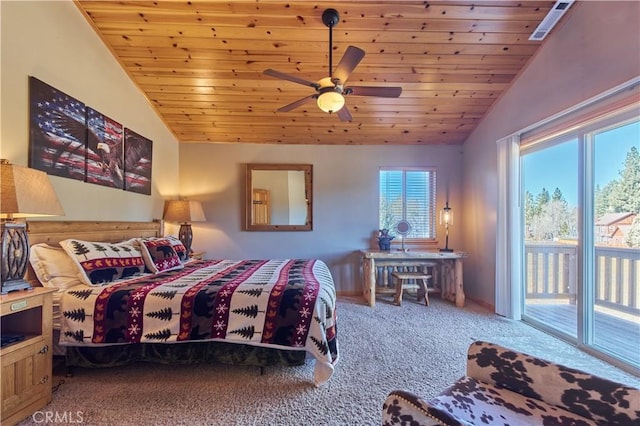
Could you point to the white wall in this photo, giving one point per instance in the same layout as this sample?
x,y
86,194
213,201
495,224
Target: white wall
x,y
51,40
594,48
345,199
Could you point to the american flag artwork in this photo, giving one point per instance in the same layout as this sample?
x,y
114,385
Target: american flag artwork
x,y
138,154
105,147
57,131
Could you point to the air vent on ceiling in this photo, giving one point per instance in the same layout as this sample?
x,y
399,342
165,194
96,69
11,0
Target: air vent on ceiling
x,y
551,19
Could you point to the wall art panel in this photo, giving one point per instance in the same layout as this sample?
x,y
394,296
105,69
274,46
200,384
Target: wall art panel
x,y
57,131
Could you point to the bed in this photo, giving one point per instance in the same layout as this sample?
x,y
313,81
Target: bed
x,y
127,293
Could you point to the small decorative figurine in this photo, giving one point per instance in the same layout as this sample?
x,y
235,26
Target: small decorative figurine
x,y
384,240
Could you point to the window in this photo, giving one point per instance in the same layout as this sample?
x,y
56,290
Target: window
x,y
409,194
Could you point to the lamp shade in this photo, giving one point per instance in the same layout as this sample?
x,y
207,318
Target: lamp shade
x,y
183,211
330,101
26,192
446,215
446,219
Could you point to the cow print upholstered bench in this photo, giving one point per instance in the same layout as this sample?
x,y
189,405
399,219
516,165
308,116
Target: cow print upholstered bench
x,y
505,387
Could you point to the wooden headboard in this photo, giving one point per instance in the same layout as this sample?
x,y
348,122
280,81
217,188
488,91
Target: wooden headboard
x,y
52,232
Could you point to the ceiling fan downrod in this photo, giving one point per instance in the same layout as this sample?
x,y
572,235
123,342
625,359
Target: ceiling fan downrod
x,y
330,18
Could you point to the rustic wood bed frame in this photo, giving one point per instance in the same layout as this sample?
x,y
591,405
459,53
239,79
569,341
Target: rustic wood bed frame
x,y
52,232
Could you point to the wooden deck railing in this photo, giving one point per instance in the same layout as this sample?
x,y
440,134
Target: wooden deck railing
x,y
618,278
551,273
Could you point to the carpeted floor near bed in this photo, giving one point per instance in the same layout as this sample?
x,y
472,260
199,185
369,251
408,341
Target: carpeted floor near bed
x,y
410,347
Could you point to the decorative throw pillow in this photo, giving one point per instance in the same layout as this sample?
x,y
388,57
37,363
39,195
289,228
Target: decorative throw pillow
x,y
178,247
53,267
101,263
159,255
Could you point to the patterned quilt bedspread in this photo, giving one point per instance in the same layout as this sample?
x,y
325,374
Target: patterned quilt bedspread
x,y
284,304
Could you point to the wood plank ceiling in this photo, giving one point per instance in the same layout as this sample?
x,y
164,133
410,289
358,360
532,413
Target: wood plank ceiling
x,y
201,65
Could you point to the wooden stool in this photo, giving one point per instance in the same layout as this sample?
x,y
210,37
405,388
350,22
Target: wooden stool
x,y
400,278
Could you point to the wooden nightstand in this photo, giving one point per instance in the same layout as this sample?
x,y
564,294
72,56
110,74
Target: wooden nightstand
x,y
197,255
26,363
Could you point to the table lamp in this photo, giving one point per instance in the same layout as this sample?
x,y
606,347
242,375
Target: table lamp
x,y
446,219
184,212
24,193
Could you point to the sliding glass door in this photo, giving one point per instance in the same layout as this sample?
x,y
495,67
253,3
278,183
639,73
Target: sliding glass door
x,y
550,177
614,323
581,233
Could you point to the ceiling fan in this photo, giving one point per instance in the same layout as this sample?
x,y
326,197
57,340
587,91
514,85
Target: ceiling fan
x,y
330,91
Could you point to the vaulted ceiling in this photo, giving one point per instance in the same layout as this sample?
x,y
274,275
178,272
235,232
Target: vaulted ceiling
x,y
200,64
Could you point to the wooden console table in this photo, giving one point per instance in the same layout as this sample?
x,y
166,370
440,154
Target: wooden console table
x,y
450,271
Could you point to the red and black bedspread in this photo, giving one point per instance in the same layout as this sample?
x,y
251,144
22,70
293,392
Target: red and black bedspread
x,y
284,304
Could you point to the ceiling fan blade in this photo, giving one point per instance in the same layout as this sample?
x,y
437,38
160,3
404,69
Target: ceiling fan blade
x,y
294,79
350,60
297,103
344,114
382,92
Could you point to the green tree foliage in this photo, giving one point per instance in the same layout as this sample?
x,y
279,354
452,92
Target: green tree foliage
x,y
557,195
549,217
600,201
529,212
633,237
626,196
623,194
542,199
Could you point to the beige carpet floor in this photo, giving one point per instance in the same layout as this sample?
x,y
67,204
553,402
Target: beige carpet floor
x,y
410,347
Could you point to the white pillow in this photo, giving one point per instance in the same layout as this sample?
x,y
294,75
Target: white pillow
x,y
100,263
53,267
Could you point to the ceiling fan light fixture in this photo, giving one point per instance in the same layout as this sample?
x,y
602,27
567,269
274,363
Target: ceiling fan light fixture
x,y
330,101
331,90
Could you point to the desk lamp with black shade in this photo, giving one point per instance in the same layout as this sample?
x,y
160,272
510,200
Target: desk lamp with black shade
x,y
24,193
184,212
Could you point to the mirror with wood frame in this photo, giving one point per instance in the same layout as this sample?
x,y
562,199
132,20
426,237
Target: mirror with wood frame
x,y
278,197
